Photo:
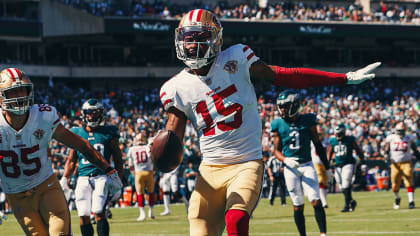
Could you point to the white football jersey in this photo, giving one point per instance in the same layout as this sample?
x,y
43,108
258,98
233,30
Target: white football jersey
x,y
137,157
314,155
400,147
222,106
24,154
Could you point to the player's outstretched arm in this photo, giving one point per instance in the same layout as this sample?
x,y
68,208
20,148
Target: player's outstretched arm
x,y
74,141
306,77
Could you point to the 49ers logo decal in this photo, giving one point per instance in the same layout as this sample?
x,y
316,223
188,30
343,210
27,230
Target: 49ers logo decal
x,y
231,66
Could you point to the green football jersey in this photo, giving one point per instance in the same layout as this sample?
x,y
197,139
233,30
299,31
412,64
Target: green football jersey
x,y
100,140
343,150
296,136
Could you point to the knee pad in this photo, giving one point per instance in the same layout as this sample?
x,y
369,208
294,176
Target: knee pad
x,y
237,222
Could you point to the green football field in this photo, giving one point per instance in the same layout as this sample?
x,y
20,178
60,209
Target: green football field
x,y
373,216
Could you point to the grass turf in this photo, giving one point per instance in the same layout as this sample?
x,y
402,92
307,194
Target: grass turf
x,y
373,216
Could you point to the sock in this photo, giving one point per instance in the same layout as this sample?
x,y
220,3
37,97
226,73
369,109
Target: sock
x,y
347,196
410,193
140,200
87,230
102,227
151,199
320,218
166,201
300,221
323,194
237,222
184,199
397,194
141,209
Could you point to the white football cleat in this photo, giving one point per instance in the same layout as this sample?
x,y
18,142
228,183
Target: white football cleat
x,y
142,216
165,213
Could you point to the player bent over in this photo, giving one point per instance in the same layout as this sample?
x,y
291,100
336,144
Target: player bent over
x,y
216,94
26,173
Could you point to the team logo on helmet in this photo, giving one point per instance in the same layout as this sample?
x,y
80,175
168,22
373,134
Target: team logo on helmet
x,y
93,112
288,104
11,80
198,38
231,66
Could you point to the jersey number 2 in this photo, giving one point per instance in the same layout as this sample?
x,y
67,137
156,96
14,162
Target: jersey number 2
x,y
12,170
222,110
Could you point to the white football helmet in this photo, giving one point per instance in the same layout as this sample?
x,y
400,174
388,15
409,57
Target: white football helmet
x,y
12,79
199,27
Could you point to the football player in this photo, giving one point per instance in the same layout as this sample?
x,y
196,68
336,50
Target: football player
x,y
341,151
398,149
216,94
92,192
26,173
169,183
292,136
275,170
322,173
141,166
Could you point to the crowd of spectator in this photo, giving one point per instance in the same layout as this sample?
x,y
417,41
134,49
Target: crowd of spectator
x,y
275,10
369,111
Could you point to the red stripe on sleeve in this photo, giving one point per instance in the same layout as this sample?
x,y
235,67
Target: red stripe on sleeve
x,y
11,74
305,77
199,15
163,94
246,48
55,122
250,56
166,102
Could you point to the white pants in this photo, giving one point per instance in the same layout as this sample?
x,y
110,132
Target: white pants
x,y
91,194
343,175
190,184
300,182
169,182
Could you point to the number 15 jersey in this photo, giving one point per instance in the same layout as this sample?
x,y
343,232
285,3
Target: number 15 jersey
x,y
222,106
23,154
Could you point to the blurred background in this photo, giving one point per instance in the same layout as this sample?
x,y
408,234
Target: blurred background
x,y
123,51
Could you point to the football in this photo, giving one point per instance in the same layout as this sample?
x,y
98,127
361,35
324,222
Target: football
x,y
167,151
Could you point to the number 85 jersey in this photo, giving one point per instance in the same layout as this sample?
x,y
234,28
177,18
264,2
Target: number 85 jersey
x,y
24,159
222,106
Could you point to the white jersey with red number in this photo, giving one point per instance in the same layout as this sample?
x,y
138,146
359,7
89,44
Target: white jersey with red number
x,y
400,147
24,154
137,157
222,106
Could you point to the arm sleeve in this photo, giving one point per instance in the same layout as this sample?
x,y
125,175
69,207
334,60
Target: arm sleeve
x,y
305,77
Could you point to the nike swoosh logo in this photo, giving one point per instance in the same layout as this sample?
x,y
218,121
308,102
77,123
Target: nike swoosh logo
x,y
50,184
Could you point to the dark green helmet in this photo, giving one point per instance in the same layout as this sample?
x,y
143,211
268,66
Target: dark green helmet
x,y
288,103
340,131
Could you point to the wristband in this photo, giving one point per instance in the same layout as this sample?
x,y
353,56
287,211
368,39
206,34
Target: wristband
x,y
107,170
